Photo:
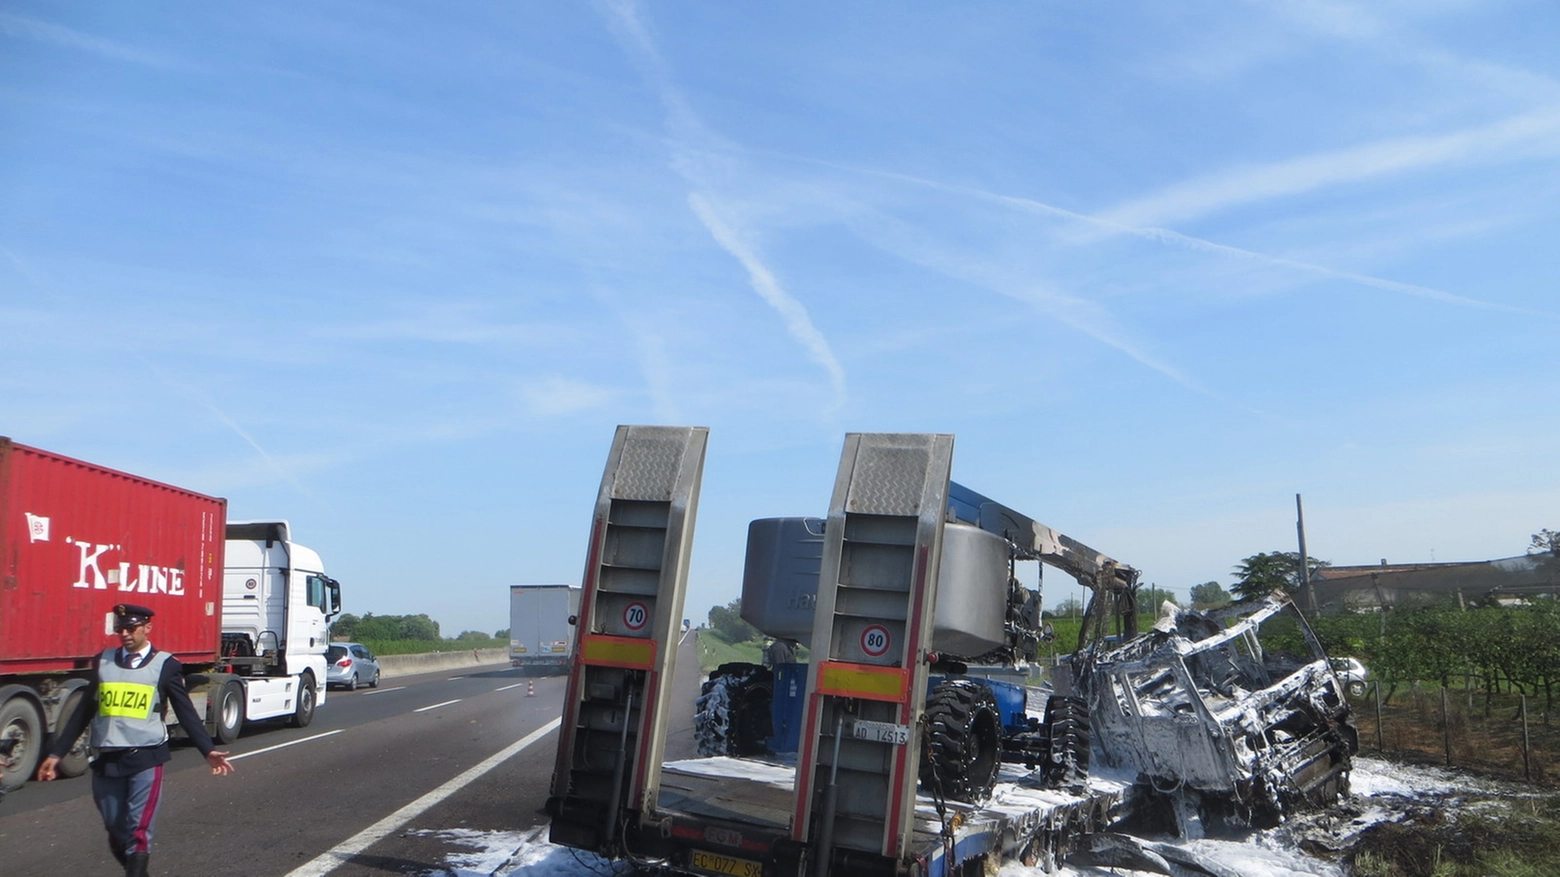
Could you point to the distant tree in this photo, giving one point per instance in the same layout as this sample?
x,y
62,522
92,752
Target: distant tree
x,y
419,627
1071,607
727,621
1545,541
393,627
501,634
1209,595
1261,574
473,635
1152,597
376,627
345,626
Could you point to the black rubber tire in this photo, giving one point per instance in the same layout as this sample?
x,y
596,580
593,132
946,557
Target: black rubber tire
x,y
303,714
352,681
732,715
79,758
20,721
1356,687
963,741
374,683
228,712
1067,722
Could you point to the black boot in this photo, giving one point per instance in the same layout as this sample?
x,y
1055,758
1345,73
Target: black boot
x,y
135,864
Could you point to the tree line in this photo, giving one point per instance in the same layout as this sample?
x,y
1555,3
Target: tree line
x,y
386,628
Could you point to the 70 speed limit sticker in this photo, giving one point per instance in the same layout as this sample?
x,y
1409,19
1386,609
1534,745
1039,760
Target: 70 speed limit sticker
x,y
635,616
875,641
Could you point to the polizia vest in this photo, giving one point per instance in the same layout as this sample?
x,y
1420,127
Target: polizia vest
x,y
130,708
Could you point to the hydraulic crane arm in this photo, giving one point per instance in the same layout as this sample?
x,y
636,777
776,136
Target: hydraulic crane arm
x,y
1033,540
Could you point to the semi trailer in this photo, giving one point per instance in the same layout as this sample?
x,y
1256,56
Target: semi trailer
x,y
244,609
541,627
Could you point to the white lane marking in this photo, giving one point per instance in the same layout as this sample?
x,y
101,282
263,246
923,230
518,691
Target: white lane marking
x,y
398,688
453,678
518,684
330,860
283,745
437,705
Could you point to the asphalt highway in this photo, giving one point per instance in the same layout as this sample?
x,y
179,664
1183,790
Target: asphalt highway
x,y
384,781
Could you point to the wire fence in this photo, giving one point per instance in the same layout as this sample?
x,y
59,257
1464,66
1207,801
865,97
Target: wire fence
x,y
1503,734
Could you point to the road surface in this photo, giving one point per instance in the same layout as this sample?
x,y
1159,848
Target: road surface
x,y
384,781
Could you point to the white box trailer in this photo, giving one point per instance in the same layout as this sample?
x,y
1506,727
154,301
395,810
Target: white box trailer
x,y
541,635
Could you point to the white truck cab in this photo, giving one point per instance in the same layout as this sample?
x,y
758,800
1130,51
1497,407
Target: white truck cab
x,y
277,603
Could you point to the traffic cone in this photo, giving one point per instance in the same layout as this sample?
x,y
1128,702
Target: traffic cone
x,y
530,688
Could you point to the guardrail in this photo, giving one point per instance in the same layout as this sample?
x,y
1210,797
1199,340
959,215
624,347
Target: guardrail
x,y
407,665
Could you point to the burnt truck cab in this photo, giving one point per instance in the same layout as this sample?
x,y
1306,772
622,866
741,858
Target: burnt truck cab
x,y
1232,716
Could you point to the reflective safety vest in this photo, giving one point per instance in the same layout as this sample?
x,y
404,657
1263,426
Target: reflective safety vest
x,y
130,706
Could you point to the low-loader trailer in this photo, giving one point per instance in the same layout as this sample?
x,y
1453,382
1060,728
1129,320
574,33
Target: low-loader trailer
x,y
850,802
243,608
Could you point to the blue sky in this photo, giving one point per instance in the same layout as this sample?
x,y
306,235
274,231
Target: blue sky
x,y
394,272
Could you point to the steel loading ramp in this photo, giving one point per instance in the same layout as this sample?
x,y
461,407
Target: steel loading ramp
x,y
857,771
631,607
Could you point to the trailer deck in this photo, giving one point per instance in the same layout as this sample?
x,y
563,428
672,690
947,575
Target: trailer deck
x,y
743,805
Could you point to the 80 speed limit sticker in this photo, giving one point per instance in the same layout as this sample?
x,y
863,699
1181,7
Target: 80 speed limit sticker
x,y
875,641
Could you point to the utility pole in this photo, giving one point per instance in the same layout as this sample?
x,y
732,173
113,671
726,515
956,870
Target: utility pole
x,y
1305,559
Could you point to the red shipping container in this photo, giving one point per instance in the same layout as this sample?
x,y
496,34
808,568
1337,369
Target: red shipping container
x,y
79,539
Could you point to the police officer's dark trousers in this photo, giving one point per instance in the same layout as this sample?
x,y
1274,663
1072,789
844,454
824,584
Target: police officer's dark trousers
x,y
128,805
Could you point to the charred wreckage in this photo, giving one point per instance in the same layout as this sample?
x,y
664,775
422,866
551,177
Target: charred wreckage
x,y
1222,719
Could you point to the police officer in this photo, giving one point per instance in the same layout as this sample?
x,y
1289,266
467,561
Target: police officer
x,y
127,703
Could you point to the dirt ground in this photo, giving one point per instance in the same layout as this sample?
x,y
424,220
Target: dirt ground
x,y
1497,812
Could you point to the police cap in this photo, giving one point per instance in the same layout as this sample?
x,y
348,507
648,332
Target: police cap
x,y
129,614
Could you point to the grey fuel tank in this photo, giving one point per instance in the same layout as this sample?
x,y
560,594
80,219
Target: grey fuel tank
x,y
780,583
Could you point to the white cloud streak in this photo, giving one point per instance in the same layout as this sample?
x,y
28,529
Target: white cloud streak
x,y
797,321
22,27
695,147
1166,236
1537,131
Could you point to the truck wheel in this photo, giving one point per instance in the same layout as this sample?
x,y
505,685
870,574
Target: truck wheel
x,y
732,715
20,721
963,745
78,759
229,713
1067,722
304,714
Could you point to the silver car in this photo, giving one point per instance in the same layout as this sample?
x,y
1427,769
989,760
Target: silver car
x,y
1352,674
351,665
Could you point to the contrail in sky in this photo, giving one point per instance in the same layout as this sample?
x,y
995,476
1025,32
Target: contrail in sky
x,y
688,130
183,389
1163,235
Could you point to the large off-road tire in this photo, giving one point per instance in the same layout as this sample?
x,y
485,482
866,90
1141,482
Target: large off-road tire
x,y
963,741
303,714
1067,721
228,712
79,758
20,721
732,715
